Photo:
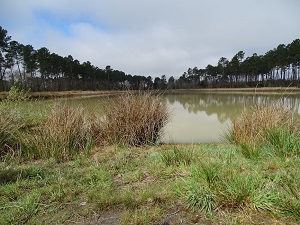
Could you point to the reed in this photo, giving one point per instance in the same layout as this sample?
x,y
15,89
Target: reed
x,y
133,119
65,133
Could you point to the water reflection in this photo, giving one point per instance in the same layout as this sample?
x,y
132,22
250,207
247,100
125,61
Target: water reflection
x,y
202,117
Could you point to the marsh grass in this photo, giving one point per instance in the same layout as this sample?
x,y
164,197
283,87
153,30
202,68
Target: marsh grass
x,y
63,131
133,119
66,132
272,125
12,123
283,142
10,126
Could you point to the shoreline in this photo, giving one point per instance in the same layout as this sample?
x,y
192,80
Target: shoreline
x,y
69,94
266,90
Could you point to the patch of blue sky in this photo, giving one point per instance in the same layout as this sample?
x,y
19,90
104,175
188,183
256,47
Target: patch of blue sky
x,y
63,23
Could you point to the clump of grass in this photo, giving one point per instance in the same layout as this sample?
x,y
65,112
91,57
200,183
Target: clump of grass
x,y
177,156
11,122
236,191
256,124
10,126
209,172
197,196
283,142
249,151
290,200
65,133
134,119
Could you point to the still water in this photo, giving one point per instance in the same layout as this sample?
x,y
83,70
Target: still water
x,y
204,117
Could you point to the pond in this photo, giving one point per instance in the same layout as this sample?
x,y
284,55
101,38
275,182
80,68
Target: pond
x,y
203,117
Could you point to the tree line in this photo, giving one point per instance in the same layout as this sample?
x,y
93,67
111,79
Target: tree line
x,y
277,67
41,70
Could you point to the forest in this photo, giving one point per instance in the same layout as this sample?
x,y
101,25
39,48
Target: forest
x,y
42,70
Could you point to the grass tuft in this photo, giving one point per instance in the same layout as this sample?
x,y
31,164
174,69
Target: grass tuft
x,y
283,142
273,125
132,119
198,197
65,133
177,156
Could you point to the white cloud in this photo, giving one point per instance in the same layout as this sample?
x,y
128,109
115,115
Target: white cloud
x,y
152,37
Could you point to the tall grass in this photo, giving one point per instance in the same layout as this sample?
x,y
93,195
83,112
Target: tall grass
x,y
11,122
283,142
65,133
133,119
10,126
263,124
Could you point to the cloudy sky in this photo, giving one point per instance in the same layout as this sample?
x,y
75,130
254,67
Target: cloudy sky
x,y
152,37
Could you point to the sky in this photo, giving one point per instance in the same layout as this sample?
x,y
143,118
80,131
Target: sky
x,y
152,37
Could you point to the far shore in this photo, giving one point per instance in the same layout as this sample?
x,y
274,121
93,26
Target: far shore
x,y
267,90
67,94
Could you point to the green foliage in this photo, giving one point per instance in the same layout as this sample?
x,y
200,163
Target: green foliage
x,y
209,172
290,197
17,94
177,156
283,142
198,197
249,151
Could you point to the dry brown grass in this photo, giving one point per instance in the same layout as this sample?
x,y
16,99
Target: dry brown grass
x,y
10,125
66,132
252,125
133,119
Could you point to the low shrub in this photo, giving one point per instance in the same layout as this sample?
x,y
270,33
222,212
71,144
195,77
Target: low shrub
x,y
133,119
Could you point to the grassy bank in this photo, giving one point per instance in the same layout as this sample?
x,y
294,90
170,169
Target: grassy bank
x,y
79,94
64,94
66,166
165,184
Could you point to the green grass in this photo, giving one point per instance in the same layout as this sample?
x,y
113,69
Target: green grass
x,y
53,170
129,185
